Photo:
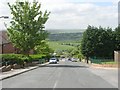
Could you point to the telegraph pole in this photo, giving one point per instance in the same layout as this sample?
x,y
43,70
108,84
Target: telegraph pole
x,y
3,17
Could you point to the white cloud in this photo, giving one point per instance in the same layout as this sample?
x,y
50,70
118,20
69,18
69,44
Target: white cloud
x,y
73,15
77,14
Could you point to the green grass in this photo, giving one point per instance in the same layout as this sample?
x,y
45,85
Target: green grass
x,y
111,62
58,47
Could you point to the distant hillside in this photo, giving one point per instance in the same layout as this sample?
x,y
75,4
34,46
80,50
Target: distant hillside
x,y
53,31
65,36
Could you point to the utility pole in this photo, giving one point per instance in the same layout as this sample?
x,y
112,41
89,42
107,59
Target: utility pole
x,y
3,17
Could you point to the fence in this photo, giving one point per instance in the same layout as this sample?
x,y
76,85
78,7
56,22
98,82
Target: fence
x,y
100,60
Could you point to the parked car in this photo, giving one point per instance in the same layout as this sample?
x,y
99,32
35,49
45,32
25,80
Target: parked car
x,y
74,60
53,61
69,59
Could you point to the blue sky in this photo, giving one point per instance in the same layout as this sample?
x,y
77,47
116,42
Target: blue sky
x,y
103,3
96,2
74,14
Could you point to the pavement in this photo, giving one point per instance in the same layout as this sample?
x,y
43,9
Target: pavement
x,y
65,74
14,72
108,74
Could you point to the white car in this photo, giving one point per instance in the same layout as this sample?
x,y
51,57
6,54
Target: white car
x,y
74,60
53,60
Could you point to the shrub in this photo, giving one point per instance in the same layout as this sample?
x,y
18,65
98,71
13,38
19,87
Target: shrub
x,y
10,59
37,57
25,59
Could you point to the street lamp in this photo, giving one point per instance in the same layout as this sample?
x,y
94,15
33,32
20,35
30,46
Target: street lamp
x,y
4,17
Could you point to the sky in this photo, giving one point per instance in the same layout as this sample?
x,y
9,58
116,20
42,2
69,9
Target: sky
x,y
72,14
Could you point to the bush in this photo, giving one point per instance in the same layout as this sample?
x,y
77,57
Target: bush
x,y
10,59
37,57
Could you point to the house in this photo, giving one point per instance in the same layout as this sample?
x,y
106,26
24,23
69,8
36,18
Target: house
x,y
6,45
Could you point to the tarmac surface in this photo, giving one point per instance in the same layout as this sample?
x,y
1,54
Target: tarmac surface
x,y
65,74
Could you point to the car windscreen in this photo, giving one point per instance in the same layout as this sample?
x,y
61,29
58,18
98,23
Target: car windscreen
x,y
53,59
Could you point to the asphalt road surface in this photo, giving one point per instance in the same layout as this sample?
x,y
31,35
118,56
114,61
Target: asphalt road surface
x,y
65,74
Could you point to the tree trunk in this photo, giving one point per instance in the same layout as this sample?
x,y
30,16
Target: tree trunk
x,y
87,59
26,52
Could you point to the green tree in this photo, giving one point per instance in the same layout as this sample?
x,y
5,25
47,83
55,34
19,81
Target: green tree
x,y
87,42
117,38
104,43
43,48
27,25
97,42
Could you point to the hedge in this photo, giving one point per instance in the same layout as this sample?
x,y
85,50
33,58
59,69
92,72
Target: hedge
x,y
8,59
37,57
19,58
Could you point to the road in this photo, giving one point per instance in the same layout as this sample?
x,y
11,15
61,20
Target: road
x,y
66,74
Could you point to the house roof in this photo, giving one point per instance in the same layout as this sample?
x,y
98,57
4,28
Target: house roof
x,y
4,37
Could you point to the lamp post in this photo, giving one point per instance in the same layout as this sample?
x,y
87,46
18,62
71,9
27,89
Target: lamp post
x,y
4,17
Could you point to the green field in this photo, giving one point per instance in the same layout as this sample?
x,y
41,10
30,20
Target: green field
x,y
64,41
58,47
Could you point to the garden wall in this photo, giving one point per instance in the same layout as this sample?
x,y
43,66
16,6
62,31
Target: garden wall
x,y
117,56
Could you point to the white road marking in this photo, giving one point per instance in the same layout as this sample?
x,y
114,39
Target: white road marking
x,y
59,74
55,85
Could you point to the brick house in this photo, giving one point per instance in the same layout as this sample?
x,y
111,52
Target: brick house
x,y
6,46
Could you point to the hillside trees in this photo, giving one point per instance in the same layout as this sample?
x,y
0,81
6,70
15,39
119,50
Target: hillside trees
x,y
27,25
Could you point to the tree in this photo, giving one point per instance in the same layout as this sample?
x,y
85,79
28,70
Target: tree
x,y
117,38
43,48
86,43
27,25
77,53
97,42
104,43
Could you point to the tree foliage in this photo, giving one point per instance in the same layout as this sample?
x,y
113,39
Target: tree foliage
x,y
98,42
43,48
27,25
117,38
